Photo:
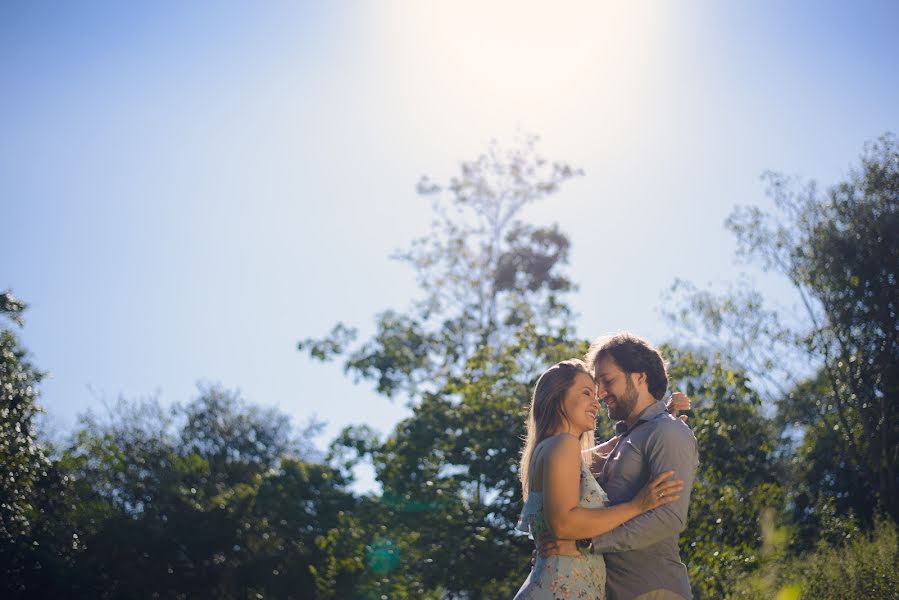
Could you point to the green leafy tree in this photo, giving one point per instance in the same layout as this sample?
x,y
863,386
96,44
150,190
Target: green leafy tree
x,y
491,318
32,542
738,476
23,461
858,566
830,367
361,554
451,470
210,500
483,271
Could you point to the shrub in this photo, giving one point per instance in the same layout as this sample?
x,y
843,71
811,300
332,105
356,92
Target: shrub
x,y
864,566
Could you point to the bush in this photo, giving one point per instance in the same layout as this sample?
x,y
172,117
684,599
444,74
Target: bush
x,y
865,566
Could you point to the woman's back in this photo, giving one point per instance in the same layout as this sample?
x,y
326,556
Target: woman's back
x,y
571,573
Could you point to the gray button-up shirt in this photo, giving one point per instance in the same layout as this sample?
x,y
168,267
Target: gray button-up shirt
x,y
642,554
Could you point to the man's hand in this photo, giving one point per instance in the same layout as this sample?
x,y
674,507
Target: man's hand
x,y
547,545
678,402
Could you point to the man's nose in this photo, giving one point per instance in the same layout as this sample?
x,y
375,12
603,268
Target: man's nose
x,y
601,393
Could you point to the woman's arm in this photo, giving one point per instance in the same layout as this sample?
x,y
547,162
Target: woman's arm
x,y
597,455
561,487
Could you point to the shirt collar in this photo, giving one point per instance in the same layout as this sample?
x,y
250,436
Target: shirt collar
x,y
650,412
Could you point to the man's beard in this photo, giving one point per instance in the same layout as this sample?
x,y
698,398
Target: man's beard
x,y
626,402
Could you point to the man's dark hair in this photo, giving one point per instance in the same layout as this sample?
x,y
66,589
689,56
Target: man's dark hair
x,y
632,354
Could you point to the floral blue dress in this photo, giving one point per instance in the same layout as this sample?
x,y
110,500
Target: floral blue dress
x,y
581,577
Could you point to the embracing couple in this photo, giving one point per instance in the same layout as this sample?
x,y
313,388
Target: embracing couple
x,y
606,518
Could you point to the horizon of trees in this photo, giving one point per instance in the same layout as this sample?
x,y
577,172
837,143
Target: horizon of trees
x,y
222,498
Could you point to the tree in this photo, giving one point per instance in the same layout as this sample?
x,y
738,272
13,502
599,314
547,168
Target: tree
x,y
214,499
836,359
23,461
452,470
483,271
467,353
738,475
31,489
858,566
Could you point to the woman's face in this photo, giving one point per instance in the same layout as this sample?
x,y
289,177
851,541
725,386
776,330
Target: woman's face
x,y
580,404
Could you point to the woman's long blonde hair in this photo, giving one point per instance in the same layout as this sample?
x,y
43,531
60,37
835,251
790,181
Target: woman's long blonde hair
x,y
547,412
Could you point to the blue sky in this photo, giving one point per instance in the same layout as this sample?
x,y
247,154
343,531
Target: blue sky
x,y
188,189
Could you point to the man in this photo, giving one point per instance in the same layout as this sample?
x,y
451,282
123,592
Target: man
x,y
642,556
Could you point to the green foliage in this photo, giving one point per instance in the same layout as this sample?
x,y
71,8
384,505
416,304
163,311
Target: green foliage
x,y
468,352
841,251
737,476
223,499
31,488
831,369
483,272
209,500
490,322
450,470
861,566
367,557
337,340
23,462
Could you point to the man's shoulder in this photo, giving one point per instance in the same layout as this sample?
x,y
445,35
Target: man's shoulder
x,y
664,427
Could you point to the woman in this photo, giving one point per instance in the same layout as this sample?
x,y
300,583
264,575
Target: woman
x,y
561,495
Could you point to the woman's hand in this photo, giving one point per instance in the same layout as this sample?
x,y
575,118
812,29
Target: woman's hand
x,y
597,455
658,492
605,448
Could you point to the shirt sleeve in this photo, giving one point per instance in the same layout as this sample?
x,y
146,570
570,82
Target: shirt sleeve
x,y
671,447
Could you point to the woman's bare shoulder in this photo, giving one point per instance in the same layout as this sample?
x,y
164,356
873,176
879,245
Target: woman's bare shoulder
x,y
561,446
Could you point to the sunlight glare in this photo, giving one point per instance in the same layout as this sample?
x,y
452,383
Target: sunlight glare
x,y
523,60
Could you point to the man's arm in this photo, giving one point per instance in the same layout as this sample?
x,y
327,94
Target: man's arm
x,y
671,447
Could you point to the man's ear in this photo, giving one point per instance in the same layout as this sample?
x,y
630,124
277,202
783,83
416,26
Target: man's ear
x,y
641,378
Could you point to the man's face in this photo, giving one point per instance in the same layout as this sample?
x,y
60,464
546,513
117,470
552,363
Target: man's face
x,y
615,388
